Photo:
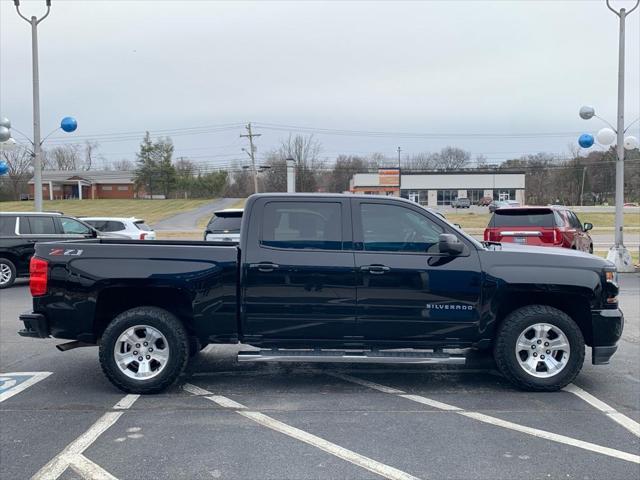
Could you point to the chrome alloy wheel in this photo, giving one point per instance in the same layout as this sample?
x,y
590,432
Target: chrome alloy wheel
x,y
542,350
141,352
5,274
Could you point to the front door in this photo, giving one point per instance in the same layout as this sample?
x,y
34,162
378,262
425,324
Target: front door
x,y
299,275
407,290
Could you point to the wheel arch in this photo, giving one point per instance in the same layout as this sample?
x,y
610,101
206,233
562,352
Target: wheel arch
x,y
114,300
576,306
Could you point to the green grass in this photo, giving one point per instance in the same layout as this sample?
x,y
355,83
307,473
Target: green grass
x,y
149,210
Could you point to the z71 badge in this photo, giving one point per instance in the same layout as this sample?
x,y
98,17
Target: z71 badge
x,y
72,252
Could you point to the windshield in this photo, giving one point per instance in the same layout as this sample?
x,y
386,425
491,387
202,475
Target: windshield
x,y
225,224
522,218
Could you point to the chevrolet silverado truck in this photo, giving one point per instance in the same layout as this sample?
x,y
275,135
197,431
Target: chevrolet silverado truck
x,y
327,278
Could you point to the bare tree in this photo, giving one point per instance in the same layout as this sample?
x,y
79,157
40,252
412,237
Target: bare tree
x,y
306,152
123,165
452,158
422,161
90,154
20,170
62,157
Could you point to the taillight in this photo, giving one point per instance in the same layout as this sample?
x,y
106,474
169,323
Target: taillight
x,y
38,276
142,235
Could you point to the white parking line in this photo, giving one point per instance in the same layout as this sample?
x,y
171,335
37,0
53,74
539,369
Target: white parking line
x,y
72,455
612,413
35,378
497,421
367,463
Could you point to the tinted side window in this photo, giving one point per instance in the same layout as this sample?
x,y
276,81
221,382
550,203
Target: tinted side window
x,y
39,225
73,227
392,228
99,225
316,225
573,220
225,224
7,225
113,226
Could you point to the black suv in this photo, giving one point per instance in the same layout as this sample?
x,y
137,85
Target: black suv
x,y
20,231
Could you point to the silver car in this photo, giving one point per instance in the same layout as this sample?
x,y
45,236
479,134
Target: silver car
x,y
224,226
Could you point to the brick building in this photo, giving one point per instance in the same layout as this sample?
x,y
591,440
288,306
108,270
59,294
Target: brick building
x,y
90,184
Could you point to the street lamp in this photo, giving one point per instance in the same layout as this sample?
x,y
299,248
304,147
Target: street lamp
x,y
8,143
37,156
618,254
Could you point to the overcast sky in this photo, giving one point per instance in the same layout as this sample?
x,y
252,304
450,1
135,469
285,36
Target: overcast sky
x,y
454,69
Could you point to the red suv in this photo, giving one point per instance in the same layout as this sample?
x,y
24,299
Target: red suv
x,y
539,226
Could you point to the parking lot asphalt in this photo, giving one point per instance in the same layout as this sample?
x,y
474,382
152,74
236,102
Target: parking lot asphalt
x,y
307,421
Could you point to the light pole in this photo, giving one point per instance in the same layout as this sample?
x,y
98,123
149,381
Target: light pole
x,y
618,254
37,156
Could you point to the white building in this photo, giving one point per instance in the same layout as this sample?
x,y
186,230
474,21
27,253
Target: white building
x,y
442,188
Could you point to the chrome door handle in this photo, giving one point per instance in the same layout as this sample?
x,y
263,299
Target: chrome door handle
x,y
375,269
264,267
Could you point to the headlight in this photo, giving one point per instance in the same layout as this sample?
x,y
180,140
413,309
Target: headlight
x,y
611,277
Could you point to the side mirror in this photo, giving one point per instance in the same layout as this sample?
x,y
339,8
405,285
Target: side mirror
x,y
448,243
587,227
93,233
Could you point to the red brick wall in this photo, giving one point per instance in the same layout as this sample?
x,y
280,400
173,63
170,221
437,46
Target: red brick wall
x,y
114,192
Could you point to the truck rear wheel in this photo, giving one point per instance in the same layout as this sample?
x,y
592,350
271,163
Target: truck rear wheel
x,y
144,350
539,348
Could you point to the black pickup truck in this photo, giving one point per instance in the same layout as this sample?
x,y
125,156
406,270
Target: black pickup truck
x,y
328,278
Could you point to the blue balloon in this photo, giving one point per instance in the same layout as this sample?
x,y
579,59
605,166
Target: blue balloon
x,y
4,168
586,140
69,124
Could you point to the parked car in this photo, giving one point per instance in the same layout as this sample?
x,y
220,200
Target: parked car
x,y
485,201
502,204
224,226
540,226
21,231
133,228
327,278
461,202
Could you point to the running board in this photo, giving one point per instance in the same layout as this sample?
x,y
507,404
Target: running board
x,y
333,356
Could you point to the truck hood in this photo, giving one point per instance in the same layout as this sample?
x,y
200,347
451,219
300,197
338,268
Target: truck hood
x,y
559,254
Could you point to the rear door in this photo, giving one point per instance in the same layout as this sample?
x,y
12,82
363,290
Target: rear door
x,y
407,290
33,229
298,271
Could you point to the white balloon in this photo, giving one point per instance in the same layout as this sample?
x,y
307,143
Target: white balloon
x,y
606,136
630,143
8,145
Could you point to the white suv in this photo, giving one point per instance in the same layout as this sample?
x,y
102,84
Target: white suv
x,y
132,228
224,226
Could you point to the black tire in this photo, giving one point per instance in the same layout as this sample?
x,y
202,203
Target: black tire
x,y
177,342
505,348
4,264
591,248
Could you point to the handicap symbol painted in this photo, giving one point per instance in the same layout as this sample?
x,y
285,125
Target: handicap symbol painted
x,y
15,382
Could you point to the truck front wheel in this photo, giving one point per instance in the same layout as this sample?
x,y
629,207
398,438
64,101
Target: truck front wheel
x,y
144,350
539,348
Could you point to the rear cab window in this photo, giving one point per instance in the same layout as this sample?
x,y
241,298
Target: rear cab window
x,y
302,225
529,217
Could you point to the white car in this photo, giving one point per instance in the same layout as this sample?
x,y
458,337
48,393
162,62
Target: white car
x,y
132,228
224,226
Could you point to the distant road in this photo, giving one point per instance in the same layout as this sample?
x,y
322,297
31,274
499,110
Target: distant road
x,y
186,221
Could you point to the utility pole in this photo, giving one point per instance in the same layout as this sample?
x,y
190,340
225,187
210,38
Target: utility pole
x,y
37,154
399,150
252,154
